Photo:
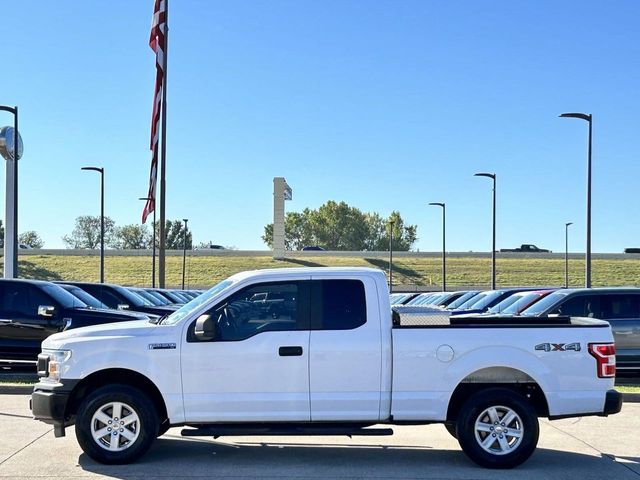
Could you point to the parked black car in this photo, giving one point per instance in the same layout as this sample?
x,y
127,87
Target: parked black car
x,y
31,310
119,298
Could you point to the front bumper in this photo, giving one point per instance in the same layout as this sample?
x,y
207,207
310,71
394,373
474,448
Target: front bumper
x,y
49,402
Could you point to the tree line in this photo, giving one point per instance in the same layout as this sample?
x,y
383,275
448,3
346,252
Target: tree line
x,y
86,235
337,226
333,226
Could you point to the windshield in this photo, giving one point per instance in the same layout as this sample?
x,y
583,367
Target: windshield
x,y
146,295
463,299
434,299
484,302
90,300
473,300
543,305
63,297
522,302
502,306
133,298
194,304
160,298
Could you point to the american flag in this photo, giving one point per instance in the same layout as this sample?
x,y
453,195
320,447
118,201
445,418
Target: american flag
x,y
158,44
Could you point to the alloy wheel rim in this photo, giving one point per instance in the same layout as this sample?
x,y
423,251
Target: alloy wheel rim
x,y
499,430
115,426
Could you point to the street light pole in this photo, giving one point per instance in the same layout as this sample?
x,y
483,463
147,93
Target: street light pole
x,y
493,250
566,254
101,171
444,264
11,153
589,118
153,246
184,249
391,223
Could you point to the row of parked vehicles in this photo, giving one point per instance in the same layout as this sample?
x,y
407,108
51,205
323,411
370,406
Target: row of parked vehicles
x,y
620,307
31,310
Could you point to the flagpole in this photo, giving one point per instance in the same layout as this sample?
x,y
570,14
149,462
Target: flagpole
x,y
163,152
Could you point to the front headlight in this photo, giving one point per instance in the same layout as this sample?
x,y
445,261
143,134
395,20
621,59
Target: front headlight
x,y
57,364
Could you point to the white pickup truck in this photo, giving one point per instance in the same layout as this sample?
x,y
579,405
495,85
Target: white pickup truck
x,y
317,351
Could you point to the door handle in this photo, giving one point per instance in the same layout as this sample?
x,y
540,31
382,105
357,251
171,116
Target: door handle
x,y
290,351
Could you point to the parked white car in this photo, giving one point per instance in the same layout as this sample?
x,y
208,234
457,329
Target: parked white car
x,y
325,356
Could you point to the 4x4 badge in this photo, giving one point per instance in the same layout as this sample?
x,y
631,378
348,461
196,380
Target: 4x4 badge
x,y
558,347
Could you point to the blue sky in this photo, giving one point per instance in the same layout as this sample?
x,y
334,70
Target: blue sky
x,y
387,105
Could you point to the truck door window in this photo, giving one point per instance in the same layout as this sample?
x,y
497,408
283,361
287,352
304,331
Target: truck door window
x,y
620,306
338,305
581,306
265,307
24,300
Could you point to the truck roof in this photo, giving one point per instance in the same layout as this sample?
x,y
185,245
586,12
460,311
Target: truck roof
x,y
280,272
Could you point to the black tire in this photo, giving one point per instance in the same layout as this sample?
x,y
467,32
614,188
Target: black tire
x,y
130,401
452,429
497,403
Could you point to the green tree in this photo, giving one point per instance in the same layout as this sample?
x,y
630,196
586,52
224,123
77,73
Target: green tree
x,y
86,232
174,235
337,226
30,238
132,237
404,236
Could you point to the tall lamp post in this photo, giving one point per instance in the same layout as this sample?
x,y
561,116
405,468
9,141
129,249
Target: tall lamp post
x,y
493,249
184,249
444,264
566,254
153,247
11,149
101,171
391,224
587,274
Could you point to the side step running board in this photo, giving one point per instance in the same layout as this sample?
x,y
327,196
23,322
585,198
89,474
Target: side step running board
x,y
216,431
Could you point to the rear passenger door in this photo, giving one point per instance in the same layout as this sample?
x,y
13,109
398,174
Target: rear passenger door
x,y
345,350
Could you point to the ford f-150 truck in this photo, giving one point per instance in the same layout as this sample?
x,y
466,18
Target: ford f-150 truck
x,y
324,356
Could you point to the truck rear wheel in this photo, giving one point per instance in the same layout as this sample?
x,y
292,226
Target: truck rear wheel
x,y
497,428
116,424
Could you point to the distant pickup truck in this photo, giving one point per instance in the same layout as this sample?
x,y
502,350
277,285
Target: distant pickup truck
x,y
332,359
527,248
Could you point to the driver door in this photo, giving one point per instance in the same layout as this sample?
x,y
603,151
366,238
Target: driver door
x,y
256,368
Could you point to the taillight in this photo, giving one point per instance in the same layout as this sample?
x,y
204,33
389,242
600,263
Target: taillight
x,y
605,355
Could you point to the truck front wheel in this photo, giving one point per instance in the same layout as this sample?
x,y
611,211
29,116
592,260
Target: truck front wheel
x,y
116,424
497,428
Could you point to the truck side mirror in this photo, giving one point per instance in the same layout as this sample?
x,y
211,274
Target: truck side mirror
x,y
46,311
205,328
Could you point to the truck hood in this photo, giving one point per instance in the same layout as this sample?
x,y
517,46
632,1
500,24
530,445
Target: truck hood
x,y
136,328
111,315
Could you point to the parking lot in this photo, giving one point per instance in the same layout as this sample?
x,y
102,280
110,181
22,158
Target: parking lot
x,y
591,447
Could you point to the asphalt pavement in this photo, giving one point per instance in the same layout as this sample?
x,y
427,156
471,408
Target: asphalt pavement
x,y
586,448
